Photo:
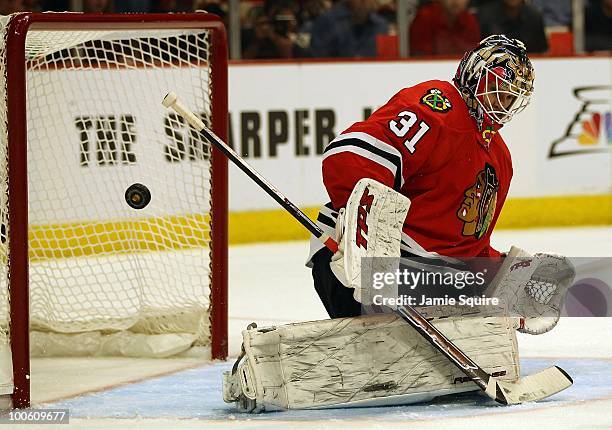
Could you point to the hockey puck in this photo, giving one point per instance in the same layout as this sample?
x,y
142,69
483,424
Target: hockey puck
x,y
137,196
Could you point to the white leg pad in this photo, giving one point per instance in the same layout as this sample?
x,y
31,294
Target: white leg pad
x,y
371,360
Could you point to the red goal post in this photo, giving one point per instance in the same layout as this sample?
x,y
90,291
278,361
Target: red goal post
x,y
17,233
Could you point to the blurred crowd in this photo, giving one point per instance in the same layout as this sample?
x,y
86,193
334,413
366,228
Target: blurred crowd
x,y
368,28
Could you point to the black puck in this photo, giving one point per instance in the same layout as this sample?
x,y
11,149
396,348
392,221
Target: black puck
x,y
137,196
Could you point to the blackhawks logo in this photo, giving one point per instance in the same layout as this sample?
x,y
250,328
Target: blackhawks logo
x,y
436,101
479,201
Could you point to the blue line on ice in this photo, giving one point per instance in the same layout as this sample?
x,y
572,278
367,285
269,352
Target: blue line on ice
x,y
196,393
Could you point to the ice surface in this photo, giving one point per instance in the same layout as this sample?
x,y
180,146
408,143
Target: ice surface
x,y
270,285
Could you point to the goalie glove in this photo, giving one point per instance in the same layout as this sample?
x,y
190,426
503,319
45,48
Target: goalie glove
x,y
534,288
546,291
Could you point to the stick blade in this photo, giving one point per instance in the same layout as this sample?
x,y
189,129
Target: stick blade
x,y
531,388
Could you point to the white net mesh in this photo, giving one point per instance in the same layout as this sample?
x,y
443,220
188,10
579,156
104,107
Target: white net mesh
x,y
541,291
95,126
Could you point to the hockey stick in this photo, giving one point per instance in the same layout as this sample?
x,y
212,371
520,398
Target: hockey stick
x,y
530,388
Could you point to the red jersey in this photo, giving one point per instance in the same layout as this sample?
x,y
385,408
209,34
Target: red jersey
x,y
432,33
425,145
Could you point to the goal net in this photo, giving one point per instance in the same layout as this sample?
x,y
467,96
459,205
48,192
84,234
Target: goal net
x,y
104,278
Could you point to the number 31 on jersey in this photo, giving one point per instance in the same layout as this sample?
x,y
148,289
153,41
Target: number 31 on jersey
x,y
400,127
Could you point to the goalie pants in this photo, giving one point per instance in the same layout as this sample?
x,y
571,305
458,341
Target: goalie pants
x,y
337,299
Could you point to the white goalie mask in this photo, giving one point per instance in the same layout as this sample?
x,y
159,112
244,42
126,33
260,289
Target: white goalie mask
x,y
496,77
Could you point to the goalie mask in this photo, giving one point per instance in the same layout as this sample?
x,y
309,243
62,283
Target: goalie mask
x,y
495,80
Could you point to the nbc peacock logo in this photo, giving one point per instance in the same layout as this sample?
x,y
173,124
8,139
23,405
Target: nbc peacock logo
x,y
591,129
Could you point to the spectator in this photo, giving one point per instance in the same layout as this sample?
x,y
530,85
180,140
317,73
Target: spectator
x,y
310,10
388,11
32,6
274,33
50,5
444,28
134,6
349,29
98,6
556,13
165,6
11,6
55,5
214,8
516,20
598,26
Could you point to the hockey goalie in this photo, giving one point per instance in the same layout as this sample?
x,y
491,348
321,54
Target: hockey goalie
x,y
415,190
